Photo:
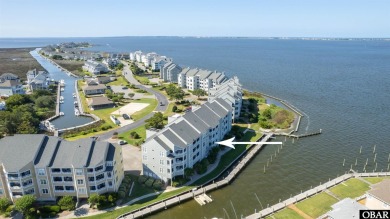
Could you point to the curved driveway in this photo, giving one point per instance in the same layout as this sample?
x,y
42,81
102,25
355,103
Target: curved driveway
x,y
160,99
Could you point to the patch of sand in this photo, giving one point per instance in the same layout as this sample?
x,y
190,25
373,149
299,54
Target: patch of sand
x,y
130,108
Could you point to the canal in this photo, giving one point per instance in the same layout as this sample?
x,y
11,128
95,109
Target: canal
x,y
69,119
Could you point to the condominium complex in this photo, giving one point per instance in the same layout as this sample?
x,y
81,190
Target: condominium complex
x,y
193,79
95,67
169,72
152,59
186,140
231,91
49,167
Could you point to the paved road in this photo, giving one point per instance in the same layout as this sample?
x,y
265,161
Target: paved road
x,y
160,98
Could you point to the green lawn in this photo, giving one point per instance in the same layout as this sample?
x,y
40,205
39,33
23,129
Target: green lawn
x,y
126,135
119,81
145,111
286,213
141,79
375,180
138,189
351,188
140,204
317,205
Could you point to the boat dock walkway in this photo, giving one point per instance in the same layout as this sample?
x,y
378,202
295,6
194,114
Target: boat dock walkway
x,y
322,187
303,135
199,191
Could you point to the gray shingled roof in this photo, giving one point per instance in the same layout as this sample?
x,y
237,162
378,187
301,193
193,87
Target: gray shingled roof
x,y
196,122
19,150
203,74
46,152
218,109
381,191
81,153
100,101
185,131
162,143
98,153
94,87
9,83
192,72
207,115
173,138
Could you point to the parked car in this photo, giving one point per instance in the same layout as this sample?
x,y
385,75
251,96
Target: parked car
x,y
162,104
125,116
122,142
125,88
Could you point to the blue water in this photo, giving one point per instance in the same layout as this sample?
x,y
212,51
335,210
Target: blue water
x,y
69,119
343,88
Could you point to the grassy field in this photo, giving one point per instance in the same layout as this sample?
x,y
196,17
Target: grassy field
x,y
141,131
145,111
286,214
72,66
141,79
351,188
104,114
18,61
317,205
375,180
119,81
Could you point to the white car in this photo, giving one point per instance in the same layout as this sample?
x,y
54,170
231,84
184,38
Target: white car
x,y
122,142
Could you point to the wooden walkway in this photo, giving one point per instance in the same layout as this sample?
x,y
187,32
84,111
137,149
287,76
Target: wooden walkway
x,y
164,204
281,205
303,135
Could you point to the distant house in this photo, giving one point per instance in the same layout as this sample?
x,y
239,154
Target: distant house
x,y
170,71
94,89
111,63
158,62
94,67
10,85
379,196
103,80
100,103
38,80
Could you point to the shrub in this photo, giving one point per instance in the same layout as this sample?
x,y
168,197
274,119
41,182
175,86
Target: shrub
x,y
158,185
50,208
93,199
174,108
134,135
121,194
149,182
4,204
142,179
67,203
126,180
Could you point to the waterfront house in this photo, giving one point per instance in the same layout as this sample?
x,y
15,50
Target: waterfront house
x,y
346,208
10,84
186,140
193,79
379,196
100,102
94,67
158,62
111,62
94,89
231,91
38,80
49,167
169,72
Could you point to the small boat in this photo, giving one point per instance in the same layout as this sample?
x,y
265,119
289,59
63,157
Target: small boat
x,y
75,102
61,98
76,112
61,101
62,89
62,113
74,94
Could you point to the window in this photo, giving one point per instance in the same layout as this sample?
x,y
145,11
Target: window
x,y
144,149
99,168
100,176
69,188
66,170
109,174
145,157
92,188
168,170
43,182
27,183
162,154
161,170
59,188
90,170
101,186
56,170
79,171
1,191
13,175
30,191
91,178
26,173
57,179
68,179
110,183
45,191
41,172
168,162
162,162
80,182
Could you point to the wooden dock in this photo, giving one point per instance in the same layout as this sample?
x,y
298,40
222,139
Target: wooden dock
x,y
303,135
199,191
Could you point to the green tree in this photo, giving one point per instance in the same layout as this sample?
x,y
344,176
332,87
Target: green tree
x,y
267,113
17,100
134,135
178,95
199,92
131,95
44,102
67,202
93,199
156,121
188,172
174,108
4,203
24,204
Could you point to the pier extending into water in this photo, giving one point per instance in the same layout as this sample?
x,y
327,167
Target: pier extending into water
x,y
304,195
303,135
199,191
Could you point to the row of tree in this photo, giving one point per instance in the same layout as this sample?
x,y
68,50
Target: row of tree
x,y
24,112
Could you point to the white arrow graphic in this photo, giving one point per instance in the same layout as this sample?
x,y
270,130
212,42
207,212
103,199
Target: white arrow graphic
x,y
230,143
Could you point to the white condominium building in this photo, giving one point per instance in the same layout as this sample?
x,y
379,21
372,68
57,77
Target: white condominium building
x,y
193,79
186,140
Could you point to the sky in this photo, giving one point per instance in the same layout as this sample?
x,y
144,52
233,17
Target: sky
x,y
218,18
